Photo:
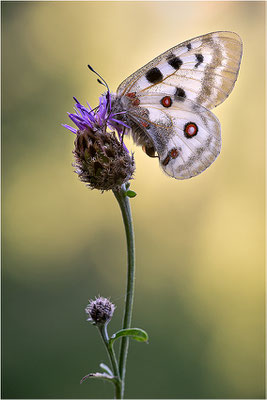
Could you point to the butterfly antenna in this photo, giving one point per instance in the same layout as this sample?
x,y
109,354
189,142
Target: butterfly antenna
x,y
102,82
94,109
102,79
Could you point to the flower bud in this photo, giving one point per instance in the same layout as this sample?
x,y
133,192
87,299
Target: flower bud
x,y
100,311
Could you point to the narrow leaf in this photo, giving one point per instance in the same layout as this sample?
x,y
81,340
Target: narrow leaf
x,y
98,375
106,369
135,333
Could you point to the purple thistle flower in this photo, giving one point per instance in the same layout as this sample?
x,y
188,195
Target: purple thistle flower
x,y
101,158
101,116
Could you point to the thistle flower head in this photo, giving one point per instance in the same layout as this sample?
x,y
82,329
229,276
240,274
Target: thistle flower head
x,y
101,158
100,311
86,117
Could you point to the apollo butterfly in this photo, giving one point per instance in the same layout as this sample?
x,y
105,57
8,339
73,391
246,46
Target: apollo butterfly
x,y
166,104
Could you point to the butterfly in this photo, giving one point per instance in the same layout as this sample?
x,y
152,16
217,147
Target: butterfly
x,y
166,104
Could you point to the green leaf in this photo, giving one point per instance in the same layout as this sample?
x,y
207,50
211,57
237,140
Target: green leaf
x,y
106,369
130,193
137,334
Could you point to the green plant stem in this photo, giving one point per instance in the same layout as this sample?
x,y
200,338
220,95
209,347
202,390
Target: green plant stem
x,y
113,360
124,204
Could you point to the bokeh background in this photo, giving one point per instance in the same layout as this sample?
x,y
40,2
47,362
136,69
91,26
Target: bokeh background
x,y
200,243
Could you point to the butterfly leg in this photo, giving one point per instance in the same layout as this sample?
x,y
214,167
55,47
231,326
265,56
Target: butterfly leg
x,y
122,136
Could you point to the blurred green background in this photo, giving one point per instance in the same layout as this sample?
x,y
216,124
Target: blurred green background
x,y
200,243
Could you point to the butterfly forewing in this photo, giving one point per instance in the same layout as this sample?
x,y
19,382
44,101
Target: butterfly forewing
x,y
203,69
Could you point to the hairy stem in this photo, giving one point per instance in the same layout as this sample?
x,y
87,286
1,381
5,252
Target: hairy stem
x,y
124,204
113,360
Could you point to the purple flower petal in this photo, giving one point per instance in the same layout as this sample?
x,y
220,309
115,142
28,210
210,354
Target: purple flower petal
x,y
120,122
70,128
86,117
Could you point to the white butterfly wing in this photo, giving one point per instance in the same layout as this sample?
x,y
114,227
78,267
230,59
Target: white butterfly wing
x,y
203,69
185,135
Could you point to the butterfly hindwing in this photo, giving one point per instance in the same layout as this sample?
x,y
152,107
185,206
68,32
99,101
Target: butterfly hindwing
x,y
203,69
185,135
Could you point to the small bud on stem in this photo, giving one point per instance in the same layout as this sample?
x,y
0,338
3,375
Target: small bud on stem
x,y
100,311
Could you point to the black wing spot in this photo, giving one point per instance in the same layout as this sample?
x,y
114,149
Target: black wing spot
x,y
179,94
154,75
189,46
174,62
166,160
200,59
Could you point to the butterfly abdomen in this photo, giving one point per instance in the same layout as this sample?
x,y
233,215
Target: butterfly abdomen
x,y
128,111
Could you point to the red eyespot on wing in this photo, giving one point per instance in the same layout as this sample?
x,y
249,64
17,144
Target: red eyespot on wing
x,y
190,130
174,153
166,101
145,124
131,95
136,102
